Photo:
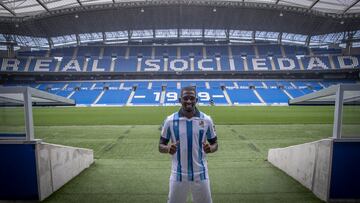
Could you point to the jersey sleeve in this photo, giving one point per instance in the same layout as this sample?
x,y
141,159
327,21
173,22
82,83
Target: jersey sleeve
x,y
210,131
166,131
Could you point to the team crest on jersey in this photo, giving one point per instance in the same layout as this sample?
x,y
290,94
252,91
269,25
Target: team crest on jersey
x,y
201,123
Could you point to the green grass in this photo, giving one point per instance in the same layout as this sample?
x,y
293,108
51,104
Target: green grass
x,y
155,115
129,168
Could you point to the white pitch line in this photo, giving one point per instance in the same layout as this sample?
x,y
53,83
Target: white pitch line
x,y
218,96
139,96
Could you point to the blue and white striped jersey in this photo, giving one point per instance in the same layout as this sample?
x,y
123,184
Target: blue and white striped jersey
x,y
189,163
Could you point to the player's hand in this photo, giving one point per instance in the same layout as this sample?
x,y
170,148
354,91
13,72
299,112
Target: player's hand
x,y
173,147
207,147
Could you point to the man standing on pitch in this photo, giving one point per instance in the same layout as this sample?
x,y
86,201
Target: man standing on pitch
x,y
188,130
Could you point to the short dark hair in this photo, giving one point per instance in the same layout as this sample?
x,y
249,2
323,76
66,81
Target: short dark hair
x,y
188,88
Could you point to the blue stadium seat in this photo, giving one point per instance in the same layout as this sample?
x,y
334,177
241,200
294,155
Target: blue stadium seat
x,y
53,91
219,83
238,63
7,64
158,84
138,84
125,65
206,95
146,97
171,84
266,50
128,61
295,92
308,84
137,50
287,63
111,85
73,85
118,51
243,50
114,97
51,85
103,65
212,51
247,83
85,97
319,51
305,90
263,60
151,65
51,64
242,96
68,64
346,61
86,85
198,84
88,51
271,96
320,63
186,51
40,53
171,96
290,50
64,93
67,51
238,90
160,51
276,84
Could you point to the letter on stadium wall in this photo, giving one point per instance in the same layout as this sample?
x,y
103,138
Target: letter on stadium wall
x,y
95,66
282,65
184,65
42,65
152,65
72,65
259,64
315,62
354,61
14,64
201,64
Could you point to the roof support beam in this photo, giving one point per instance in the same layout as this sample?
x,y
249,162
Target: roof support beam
x,y
79,2
43,5
7,8
307,41
350,6
313,4
113,1
277,1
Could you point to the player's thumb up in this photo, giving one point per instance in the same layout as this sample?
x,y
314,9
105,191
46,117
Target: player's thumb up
x,y
173,147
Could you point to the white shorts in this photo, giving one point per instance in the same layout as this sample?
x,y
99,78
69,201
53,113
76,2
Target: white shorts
x,y
200,190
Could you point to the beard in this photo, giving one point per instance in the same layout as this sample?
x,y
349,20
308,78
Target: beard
x,y
189,108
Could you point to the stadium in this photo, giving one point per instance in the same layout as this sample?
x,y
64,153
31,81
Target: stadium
x,y
102,75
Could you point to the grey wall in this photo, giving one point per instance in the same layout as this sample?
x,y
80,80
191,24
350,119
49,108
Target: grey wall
x,y
307,163
59,164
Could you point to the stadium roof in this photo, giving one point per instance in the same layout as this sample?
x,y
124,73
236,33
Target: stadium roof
x,y
21,8
101,19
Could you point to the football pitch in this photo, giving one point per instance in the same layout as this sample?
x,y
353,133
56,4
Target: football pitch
x,y
129,168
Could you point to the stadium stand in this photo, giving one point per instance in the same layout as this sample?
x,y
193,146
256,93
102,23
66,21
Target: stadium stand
x,y
114,97
179,59
166,92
